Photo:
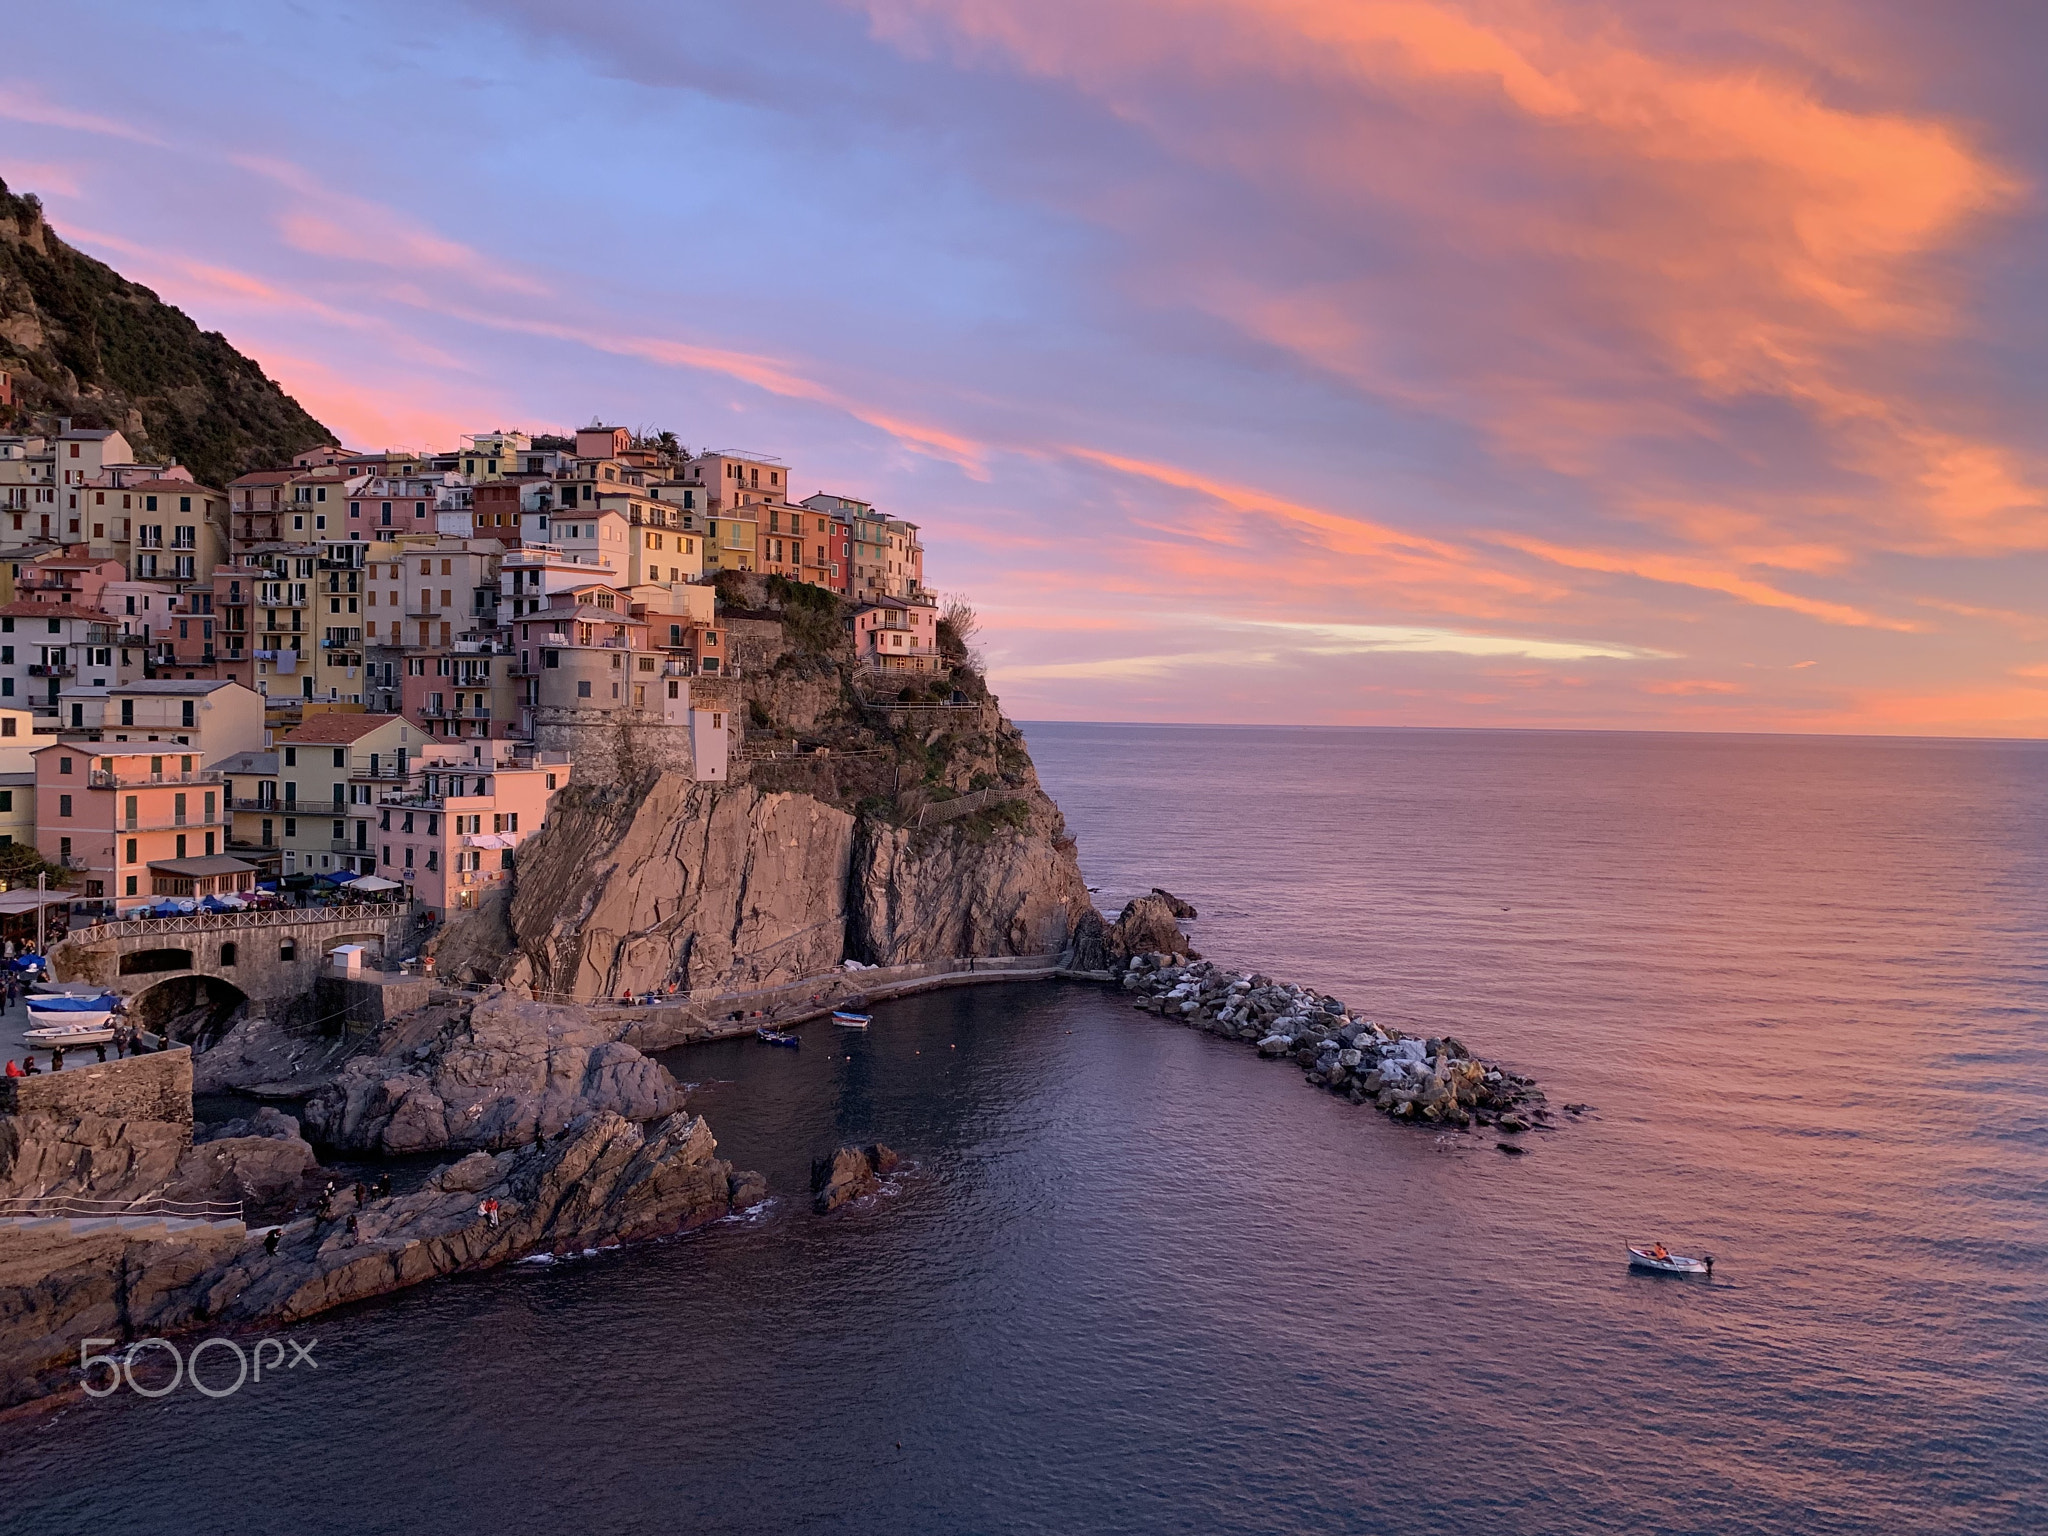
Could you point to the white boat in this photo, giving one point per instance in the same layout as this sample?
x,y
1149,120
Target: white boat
x,y
1670,1264
847,1018
66,1035
57,1017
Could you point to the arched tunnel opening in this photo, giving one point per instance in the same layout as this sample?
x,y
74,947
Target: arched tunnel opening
x,y
192,1010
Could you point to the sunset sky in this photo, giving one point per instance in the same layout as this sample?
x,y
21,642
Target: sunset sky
x,y
1507,362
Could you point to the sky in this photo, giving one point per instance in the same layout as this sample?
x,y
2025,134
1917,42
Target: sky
x,y
1544,363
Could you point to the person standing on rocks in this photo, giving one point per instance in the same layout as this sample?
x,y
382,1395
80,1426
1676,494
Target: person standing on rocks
x,y
270,1242
57,1058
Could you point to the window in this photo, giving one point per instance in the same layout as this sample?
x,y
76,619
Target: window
x,y
341,757
227,954
6,799
64,807
288,950
582,692
291,757
64,766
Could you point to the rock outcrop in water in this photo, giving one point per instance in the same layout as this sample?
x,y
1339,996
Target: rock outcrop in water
x,y
604,1181
1436,1081
851,1173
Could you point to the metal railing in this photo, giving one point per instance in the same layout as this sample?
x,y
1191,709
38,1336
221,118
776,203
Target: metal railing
x,y
82,1207
254,917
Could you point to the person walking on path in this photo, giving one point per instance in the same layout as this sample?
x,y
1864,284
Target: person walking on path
x,y
56,1058
100,1046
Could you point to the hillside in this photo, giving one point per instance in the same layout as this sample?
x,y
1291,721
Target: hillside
x,y
83,341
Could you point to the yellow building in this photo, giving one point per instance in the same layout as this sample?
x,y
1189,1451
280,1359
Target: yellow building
x,y
492,455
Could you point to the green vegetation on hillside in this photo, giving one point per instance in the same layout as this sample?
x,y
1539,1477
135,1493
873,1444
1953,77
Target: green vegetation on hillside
x,y
82,341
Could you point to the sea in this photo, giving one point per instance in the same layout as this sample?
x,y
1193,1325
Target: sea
x,y
1133,1278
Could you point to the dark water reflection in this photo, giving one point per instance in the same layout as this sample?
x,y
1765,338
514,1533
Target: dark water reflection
x,y
1134,1279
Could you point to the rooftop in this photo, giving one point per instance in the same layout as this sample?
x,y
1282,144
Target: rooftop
x,y
337,730
173,687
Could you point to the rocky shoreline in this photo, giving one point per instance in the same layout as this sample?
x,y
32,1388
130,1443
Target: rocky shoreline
x,y
1435,1081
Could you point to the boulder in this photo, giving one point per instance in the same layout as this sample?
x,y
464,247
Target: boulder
x,y
1088,947
1178,907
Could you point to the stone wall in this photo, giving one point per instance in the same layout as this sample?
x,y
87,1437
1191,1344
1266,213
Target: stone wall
x,y
615,746
157,1086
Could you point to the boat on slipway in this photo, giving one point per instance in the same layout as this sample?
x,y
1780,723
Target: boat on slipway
x,y
58,1019
1659,1260
847,1018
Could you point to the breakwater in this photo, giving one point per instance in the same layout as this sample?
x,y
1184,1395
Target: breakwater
x,y
1434,1080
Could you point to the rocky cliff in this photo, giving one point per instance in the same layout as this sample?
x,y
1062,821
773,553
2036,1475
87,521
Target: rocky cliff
x,y
879,821
80,340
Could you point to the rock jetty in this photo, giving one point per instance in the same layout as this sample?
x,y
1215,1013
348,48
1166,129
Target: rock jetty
x,y
1433,1081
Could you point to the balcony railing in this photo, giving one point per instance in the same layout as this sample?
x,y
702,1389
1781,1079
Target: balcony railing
x,y
99,778
267,807
173,823
51,669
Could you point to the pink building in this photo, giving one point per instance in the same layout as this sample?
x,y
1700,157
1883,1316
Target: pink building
x,y
451,832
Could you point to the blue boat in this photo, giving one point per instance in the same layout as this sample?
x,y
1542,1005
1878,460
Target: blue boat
x,y
776,1037
846,1018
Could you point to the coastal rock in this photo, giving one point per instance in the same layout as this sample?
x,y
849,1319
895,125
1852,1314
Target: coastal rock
x,y
919,895
1148,925
851,1173
263,1056
516,1067
87,1155
1088,947
267,1121
262,1172
606,1180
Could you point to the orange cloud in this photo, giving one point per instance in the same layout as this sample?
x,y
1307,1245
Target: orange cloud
x,y
1614,240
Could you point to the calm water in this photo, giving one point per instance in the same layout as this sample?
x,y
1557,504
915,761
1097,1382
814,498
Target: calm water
x,y
1137,1280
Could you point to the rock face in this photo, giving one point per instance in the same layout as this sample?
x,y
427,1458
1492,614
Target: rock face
x,y
514,1067
266,1173
711,888
849,1174
703,886
605,1180
933,895
88,1155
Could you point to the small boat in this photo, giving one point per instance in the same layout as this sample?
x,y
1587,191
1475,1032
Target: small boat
x,y
775,1036
54,1012
64,1037
1667,1262
846,1018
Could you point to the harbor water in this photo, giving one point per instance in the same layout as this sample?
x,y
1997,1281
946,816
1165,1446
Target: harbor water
x,y
1133,1278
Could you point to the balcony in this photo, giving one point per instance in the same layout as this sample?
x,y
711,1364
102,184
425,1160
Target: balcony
x,y
381,775
201,822
51,669
266,807
99,778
